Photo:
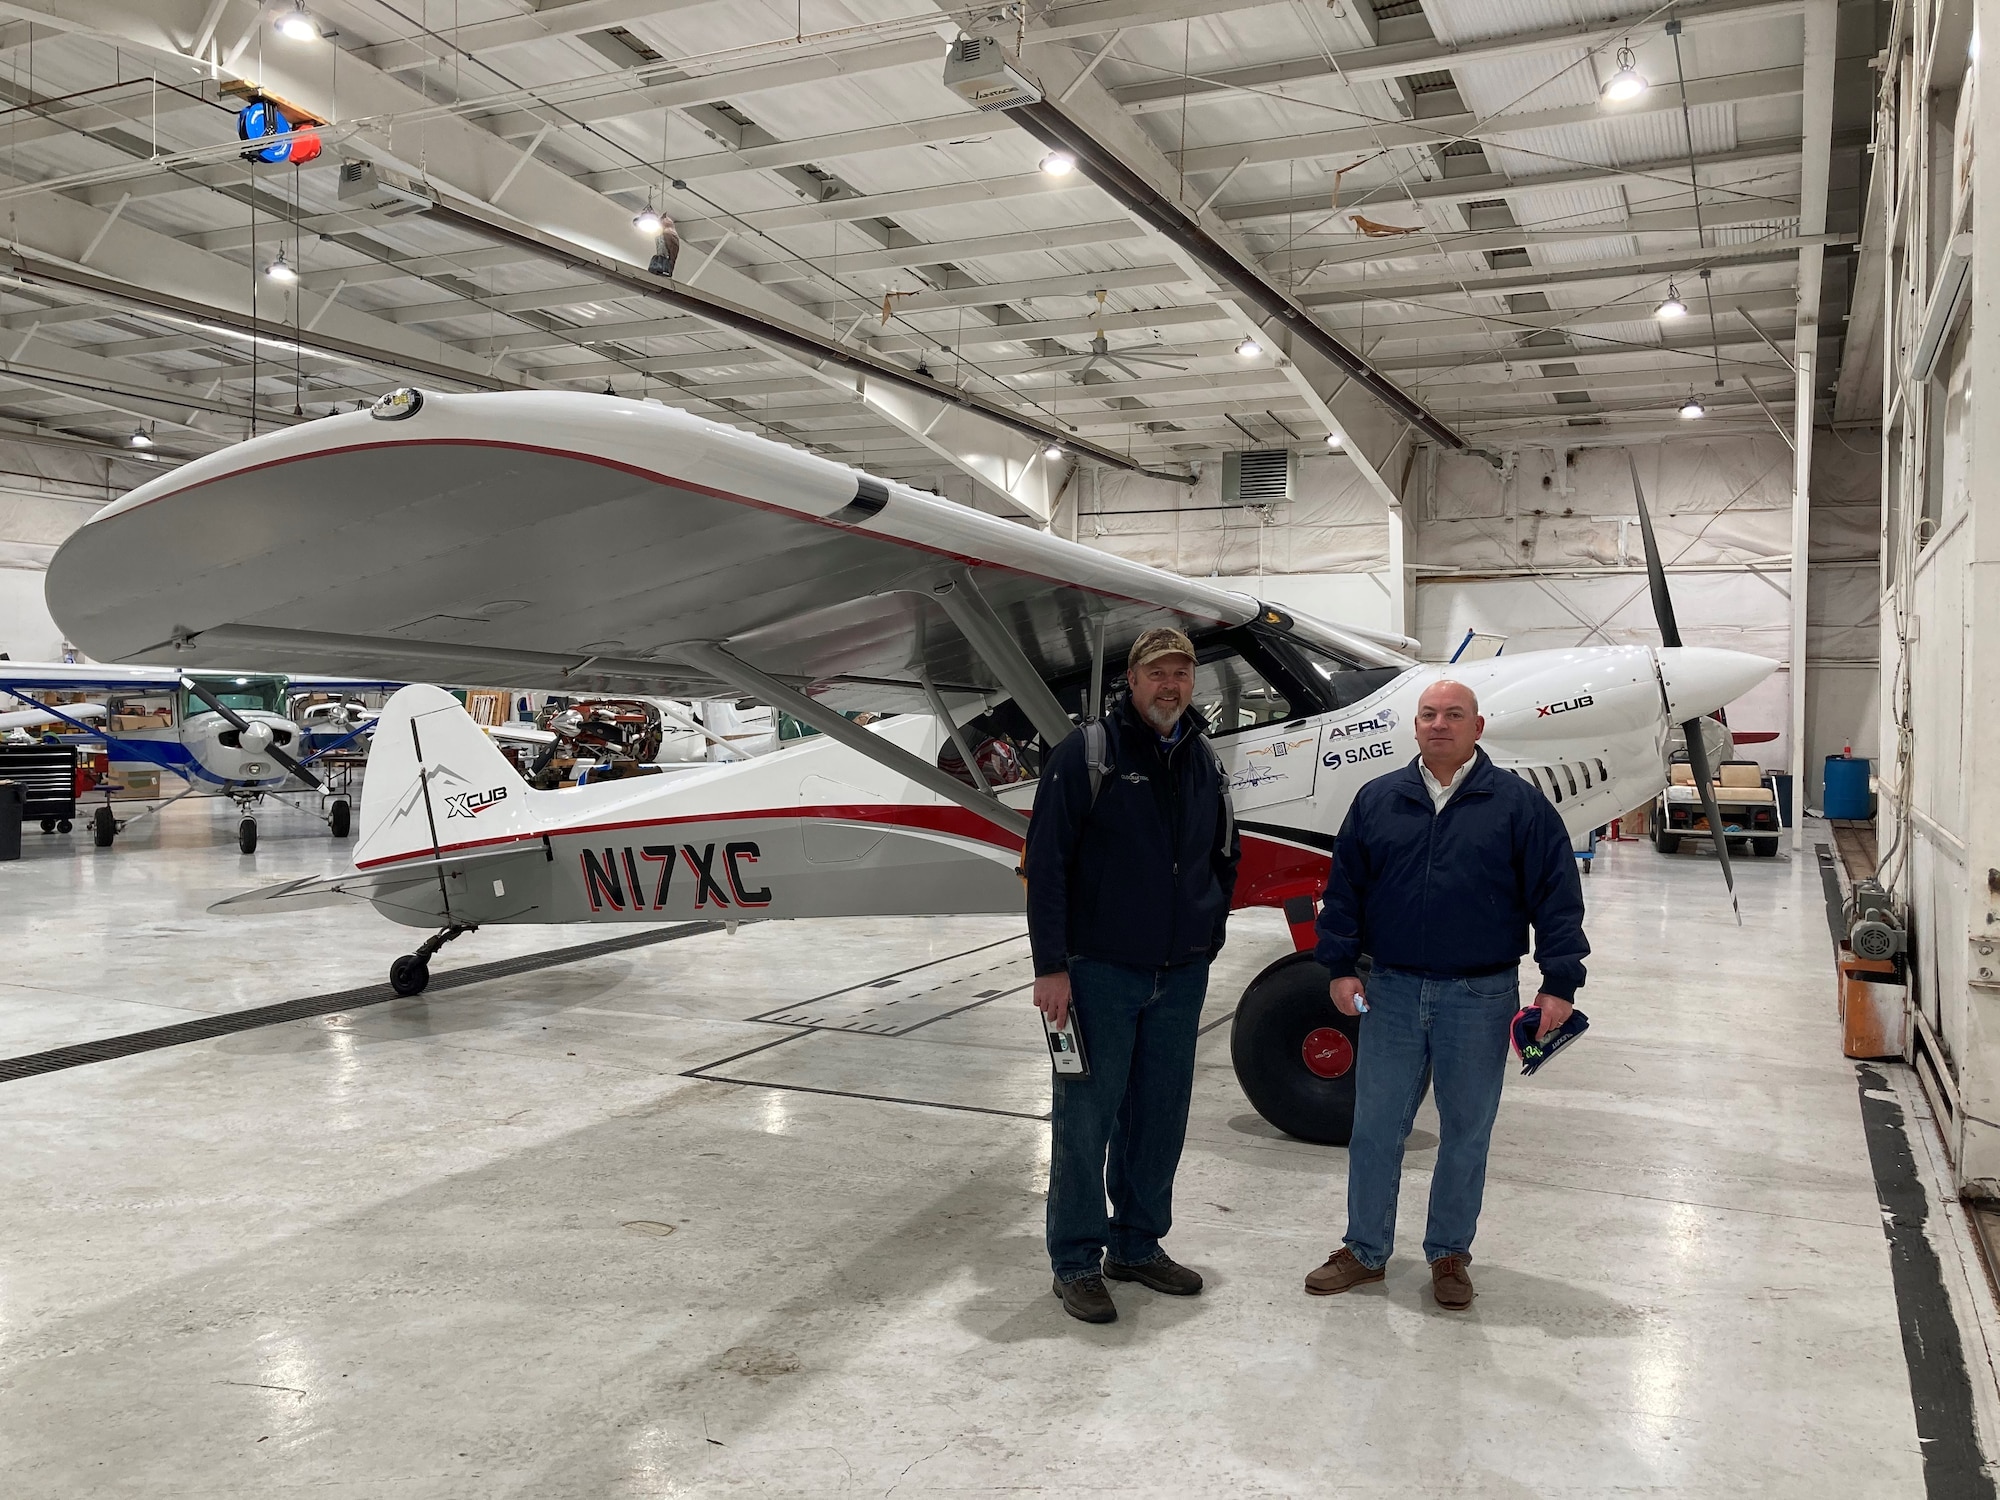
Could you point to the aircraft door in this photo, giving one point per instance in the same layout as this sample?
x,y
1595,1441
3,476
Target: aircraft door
x,y
1266,745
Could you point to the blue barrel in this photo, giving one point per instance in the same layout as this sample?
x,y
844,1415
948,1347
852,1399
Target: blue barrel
x,y
1846,794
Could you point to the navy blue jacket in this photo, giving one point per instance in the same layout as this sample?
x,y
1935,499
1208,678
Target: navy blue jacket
x,y
1450,894
1141,878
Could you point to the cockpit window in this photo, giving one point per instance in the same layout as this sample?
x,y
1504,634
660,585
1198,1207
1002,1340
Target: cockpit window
x,y
1232,696
1342,681
244,694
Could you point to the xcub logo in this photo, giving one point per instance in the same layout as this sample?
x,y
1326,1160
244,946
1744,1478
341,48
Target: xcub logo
x,y
1542,711
472,804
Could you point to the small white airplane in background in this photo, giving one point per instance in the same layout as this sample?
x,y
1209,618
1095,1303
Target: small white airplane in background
x,y
222,733
583,544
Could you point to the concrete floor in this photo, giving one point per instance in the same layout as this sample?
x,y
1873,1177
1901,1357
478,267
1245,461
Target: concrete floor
x,y
492,1242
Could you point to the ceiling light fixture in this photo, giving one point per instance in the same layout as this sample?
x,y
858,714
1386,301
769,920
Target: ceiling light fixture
x,y
1673,307
1052,452
1059,164
1692,408
298,25
1335,441
281,270
1625,85
649,222
1249,349
138,439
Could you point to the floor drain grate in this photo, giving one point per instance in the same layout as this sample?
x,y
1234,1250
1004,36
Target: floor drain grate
x,y
182,1032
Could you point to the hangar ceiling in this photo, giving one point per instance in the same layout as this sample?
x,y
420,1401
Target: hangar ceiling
x,y
1442,184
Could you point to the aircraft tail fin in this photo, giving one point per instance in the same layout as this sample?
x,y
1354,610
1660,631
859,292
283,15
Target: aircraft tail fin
x,y
436,781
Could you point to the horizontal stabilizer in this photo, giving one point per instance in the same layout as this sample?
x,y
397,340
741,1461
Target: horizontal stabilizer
x,y
367,885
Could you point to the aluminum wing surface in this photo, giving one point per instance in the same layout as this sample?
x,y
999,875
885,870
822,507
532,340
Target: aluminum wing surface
x,y
588,544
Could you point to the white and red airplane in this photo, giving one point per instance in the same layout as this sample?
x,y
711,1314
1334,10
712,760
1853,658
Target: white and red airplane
x,y
587,544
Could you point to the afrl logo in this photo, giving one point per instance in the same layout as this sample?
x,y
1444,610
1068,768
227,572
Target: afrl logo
x,y
1544,710
616,880
472,804
1384,721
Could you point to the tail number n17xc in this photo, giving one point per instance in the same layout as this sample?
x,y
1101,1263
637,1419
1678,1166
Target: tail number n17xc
x,y
623,879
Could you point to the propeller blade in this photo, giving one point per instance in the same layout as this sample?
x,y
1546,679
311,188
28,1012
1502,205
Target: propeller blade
x,y
1697,749
1656,575
237,722
1670,635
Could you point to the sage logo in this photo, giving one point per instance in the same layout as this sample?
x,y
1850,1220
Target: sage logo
x,y
472,804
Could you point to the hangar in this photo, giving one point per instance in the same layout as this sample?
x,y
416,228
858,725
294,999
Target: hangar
x,y
641,492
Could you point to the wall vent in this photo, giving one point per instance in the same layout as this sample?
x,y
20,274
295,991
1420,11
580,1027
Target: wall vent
x,y
1257,476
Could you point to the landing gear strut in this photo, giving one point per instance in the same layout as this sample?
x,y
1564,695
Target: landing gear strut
x,y
409,974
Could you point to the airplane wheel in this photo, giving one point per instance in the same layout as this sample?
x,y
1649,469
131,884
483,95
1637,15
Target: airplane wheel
x,y
103,827
1669,843
48,825
62,825
339,818
1764,848
1294,1053
409,974
246,835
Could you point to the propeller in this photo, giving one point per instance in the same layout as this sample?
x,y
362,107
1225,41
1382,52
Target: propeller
x,y
243,726
1670,635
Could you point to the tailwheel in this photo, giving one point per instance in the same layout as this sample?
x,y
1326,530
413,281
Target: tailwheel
x,y
246,835
1294,1052
103,827
409,974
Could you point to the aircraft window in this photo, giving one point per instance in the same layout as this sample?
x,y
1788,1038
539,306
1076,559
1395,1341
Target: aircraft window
x,y
244,694
1345,683
1232,696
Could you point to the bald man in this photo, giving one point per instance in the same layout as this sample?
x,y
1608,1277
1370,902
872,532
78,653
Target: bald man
x,y
1438,872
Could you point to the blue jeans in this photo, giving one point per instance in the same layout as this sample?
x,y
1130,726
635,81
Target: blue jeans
x,y
1453,1033
1121,1128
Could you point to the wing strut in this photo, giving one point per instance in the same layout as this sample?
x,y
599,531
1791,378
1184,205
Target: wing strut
x,y
943,712
747,680
959,597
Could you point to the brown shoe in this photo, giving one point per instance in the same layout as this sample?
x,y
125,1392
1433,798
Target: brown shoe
x,y
1341,1273
1451,1283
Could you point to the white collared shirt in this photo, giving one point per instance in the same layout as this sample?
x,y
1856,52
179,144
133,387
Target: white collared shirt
x,y
1441,790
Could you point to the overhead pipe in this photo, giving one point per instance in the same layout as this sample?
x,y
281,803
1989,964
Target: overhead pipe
x,y
1048,123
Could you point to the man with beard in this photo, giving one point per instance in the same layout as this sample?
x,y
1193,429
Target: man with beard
x,y
1131,864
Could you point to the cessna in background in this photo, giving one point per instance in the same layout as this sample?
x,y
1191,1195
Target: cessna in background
x,y
707,563
222,733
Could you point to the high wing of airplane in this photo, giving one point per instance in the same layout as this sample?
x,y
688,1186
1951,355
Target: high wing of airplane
x,y
585,544
223,733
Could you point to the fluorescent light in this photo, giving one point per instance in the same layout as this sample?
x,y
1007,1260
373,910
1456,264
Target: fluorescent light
x,y
1673,307
280,270
1059,164
1249,349
138,439
1335,440
1624,85
650,221
1692,408
298,25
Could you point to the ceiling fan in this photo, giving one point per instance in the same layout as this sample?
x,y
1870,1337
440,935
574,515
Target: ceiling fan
x,y
1100,356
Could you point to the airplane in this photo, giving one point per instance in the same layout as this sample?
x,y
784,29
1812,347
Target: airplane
x,y
591,545
222,733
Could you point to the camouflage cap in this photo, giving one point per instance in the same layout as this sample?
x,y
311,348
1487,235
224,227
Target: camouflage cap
x,y
1161,640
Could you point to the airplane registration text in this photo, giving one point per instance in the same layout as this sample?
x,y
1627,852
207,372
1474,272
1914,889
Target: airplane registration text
x,y
640,879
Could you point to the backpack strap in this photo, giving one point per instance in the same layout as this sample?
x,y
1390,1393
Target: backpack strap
x,y
1096,755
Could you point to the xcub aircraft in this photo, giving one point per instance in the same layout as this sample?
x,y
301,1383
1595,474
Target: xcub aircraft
x,y
586,544
223,734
